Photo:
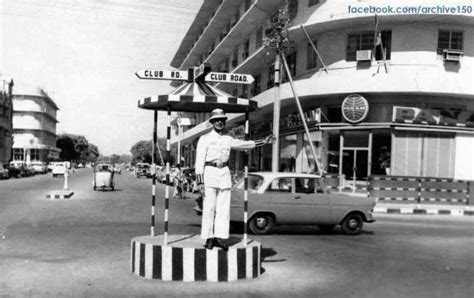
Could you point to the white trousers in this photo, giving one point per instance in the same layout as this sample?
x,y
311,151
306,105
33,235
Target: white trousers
x,y
216,213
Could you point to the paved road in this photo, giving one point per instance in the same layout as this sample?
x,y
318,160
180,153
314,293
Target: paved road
x,y
81,248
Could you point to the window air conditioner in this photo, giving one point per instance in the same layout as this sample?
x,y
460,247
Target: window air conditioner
x,y
452,55
365,55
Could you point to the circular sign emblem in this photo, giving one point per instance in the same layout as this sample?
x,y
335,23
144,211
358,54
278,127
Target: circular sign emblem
x,y
354,108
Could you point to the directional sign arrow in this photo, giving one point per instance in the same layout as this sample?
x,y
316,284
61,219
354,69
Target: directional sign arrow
x,y
229,78
155,74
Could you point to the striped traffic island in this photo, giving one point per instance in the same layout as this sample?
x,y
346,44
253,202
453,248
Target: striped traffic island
x,y
58,195
184,258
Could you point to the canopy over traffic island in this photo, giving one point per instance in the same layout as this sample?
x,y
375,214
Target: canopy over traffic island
x,y
198,97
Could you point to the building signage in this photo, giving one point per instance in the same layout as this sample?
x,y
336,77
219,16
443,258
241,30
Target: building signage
x,y
156,74
432,117
294,119
229,78
354,108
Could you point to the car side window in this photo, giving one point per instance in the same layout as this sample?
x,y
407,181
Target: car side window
x,y
280,185
305,185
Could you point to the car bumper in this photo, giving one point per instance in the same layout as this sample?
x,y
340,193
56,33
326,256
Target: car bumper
x,y
369,217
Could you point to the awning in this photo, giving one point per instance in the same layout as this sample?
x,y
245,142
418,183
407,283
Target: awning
x,y
198,97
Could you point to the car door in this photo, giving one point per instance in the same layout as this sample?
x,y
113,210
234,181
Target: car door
x,y
311,201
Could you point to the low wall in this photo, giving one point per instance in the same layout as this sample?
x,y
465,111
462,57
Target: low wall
x,y
421,190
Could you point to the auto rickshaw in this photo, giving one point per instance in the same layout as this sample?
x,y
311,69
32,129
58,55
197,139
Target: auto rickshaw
x,y
103,177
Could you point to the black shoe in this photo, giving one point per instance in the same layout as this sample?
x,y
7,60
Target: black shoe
x,y
221,243
209,243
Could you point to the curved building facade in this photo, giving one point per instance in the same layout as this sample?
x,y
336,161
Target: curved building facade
x,y
6,124
34,126
389,94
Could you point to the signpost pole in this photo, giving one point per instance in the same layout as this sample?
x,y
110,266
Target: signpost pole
x,y
276,116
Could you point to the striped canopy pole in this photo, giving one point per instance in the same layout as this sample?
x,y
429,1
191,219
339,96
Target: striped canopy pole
x,y
154,159
246,178
167,191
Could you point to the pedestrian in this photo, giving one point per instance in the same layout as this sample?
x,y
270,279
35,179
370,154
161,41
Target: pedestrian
x,y
178,183
212,156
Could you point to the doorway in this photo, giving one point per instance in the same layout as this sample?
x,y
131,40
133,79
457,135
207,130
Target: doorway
x,y
355,163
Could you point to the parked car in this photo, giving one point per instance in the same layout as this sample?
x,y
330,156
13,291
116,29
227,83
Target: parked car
x,y
4,172
142,170
39,167
299,199
18,169
59,168
103,177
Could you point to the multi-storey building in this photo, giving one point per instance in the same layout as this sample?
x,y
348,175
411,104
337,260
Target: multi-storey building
x,y
34,125
390,93
6,124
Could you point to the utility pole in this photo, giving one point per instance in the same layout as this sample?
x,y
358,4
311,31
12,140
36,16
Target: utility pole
x,y
276,38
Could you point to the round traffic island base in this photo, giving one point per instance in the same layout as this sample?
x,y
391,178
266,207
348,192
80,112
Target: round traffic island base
x,y
184,258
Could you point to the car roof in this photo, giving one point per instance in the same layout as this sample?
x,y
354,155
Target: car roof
x,y
273,175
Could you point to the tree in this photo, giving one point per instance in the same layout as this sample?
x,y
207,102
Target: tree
x,y
142,152
76,148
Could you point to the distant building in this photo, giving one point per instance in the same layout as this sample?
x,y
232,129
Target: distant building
x,y
6,117
34,126
401,102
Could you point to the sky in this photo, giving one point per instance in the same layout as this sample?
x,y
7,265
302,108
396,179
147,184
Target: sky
x,y
85,53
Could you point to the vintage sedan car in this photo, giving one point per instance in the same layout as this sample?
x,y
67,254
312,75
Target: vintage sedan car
x,y
59,169
142,170
39,167
298,199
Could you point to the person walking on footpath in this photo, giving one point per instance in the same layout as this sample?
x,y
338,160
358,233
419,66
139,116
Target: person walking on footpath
x,y
212,156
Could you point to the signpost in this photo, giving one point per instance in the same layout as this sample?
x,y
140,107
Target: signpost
x,y
156,74
210,77
229,78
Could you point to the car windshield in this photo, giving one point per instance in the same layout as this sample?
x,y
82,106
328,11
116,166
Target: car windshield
x,y
255,181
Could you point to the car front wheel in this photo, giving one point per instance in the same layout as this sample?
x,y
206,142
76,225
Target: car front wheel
x,y
261,224
352,224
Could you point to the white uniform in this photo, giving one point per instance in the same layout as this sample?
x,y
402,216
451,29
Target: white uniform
x,y
215,148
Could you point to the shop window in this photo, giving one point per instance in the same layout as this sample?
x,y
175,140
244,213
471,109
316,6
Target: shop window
x,y
312,2
365,41
34,154
18,154
292,9
311,57
450,40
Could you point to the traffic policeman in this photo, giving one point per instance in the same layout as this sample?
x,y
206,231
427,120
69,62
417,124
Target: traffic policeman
x,y
212,156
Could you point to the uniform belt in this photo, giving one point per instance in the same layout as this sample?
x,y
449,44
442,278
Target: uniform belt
x,y
216,164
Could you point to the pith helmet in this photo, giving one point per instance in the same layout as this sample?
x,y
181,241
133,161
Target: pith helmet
x,y
217,114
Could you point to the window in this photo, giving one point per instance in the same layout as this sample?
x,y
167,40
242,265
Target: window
x,y
34,154
256,86
304,185
259,38
280,185
235,58
450,40
311,57
271,77
312,2
18,154
245,53
292,9
365,41
291,60
245,91
248,3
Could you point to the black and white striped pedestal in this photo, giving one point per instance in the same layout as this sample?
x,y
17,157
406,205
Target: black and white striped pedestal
x,y
62,194
186,259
